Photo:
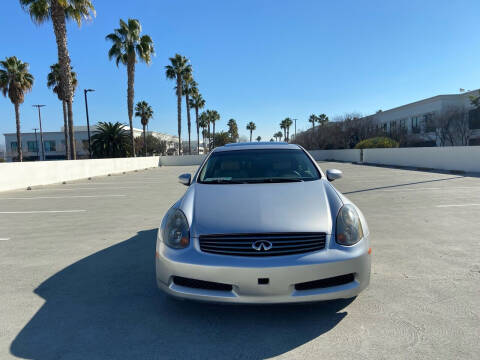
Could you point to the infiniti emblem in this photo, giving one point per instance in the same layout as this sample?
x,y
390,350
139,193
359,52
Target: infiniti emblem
x,y
262,245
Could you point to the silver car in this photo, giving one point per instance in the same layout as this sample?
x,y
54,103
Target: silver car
x,y
261,223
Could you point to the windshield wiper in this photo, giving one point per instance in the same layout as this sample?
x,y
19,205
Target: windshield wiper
x,y
276,180
222,181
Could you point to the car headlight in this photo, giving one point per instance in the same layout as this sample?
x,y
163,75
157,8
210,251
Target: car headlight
x,y
349,228
176,233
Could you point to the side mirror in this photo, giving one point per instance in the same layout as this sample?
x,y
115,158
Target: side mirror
x,y
333,174
185,179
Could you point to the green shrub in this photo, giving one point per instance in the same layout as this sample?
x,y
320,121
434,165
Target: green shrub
x,y
377,142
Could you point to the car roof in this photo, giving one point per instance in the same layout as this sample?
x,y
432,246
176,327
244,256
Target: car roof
x,y
256,145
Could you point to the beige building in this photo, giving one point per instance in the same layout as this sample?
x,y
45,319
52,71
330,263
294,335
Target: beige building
x,y
419,119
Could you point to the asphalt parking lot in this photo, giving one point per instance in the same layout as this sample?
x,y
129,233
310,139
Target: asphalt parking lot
x,y
77,276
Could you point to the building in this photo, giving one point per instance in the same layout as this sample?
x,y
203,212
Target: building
x,y
193,147
54,143
420,119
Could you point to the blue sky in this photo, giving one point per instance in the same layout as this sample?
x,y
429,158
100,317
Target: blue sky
x,y
256,60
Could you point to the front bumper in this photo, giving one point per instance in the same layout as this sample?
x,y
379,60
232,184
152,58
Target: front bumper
x,y
282,272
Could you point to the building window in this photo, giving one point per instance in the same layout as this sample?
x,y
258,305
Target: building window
x,y
13,146
385,128
32,146
49,145
393,126
474,119
428,123
403,124
415,125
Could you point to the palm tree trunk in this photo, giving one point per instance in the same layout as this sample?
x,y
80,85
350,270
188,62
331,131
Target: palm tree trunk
x,y
65,130
189,125
60,30
19,138
209,137
198,131
144,142
213,138
131,96
71,133
251,135
204,148
179,112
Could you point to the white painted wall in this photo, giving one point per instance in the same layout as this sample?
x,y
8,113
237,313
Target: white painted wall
x,y
185,160
21,175
463,158
350,155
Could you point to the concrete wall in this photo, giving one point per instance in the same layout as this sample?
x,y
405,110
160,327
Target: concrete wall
x,y
350,155
21,175
463,158
185,160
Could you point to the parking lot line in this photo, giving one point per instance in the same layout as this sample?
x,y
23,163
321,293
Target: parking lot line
x,y
61,197
42,211
4,239
457,205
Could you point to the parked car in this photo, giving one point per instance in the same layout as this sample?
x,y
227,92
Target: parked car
x,y
262,223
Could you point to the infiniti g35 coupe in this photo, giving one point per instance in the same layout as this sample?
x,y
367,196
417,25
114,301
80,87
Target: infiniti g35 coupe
x,y
262,223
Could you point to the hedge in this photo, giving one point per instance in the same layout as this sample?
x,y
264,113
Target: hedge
x,y
377,142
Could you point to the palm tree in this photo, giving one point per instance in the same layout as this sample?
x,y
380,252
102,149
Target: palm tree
x,y
213,117
251,126
233,129
258,138
279,135
204,124
313,119
127,46
59,11
110,140
53,81
16,81
287,122
204,134
322,119
177,70
197,102
145,113
283,126
189,87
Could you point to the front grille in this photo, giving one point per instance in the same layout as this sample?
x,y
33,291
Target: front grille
x,y
325,283
201,284
281,244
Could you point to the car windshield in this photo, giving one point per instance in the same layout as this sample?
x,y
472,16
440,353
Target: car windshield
x,y
258,166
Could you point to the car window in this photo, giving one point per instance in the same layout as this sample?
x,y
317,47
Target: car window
x,y
258,166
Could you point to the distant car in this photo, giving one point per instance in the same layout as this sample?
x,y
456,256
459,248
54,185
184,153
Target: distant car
x,y
261,223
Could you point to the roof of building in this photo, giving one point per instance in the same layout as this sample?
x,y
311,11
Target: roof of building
x,y
428,100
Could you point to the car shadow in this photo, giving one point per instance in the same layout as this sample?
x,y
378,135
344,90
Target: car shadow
x,y
401,185
107,306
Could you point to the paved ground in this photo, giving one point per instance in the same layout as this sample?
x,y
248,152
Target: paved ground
x,y
79,283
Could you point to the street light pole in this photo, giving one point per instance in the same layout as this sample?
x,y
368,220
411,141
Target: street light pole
x,y
295,127
85,91
41,132
36,140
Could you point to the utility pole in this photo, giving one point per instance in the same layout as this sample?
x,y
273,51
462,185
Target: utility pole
x,y
41,132
85,91
36,140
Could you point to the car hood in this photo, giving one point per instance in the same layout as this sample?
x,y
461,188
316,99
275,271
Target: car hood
x,y
258,208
